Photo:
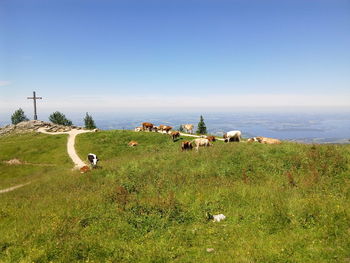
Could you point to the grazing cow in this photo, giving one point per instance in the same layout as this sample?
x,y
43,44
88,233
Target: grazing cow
x,y
132,143
93,159
175,135
155,128
165,128
234,136
186,145
201,142
265,140
188,128
211,138
138,129
147,126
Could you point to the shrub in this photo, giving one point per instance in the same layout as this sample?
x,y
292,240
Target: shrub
x,y
59,118
18,116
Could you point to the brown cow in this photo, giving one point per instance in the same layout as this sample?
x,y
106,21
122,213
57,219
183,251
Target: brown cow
x,y
186,145
147,126
175,135
132,143
265,140
211,138
165,128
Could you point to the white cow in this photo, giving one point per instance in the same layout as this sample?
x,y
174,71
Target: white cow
x,y
188,128
233,136
201,142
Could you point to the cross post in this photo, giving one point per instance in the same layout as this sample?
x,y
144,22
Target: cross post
x,y
34,98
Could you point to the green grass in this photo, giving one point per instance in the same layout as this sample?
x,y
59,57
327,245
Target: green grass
x,y
42,153
149,203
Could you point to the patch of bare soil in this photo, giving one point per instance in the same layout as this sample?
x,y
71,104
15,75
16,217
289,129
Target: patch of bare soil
x,y
14,162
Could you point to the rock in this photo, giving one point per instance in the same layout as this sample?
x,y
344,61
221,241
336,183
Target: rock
x,y
34,125
209,250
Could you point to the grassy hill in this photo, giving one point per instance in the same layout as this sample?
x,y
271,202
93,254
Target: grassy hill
x,y
283,203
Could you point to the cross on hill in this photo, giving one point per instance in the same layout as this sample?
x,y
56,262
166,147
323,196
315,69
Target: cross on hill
x,y
34,98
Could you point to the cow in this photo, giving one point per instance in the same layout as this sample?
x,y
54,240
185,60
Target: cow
x,y
188,128
253,139
93,159
201,142
138,129
132,143
175,135
211,138
186,145
147,126
265,140
155,128
234,136
165,128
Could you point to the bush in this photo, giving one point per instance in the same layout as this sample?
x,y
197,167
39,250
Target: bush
x,y
89,122
59,118
18,116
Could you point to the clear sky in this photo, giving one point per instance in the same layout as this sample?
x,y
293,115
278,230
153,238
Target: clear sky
x,y
102,55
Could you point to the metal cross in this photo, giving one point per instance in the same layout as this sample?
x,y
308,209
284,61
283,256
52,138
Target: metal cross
x,y
34,98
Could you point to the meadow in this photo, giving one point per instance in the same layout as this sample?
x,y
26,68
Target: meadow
x,y
283,203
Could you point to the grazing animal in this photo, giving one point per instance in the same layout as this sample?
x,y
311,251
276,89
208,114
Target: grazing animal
x,y
155,128
201,142
188,128
93,159
186,145
234,136
265,140
138,129
132,143
211,138
175,135
165,128
147,126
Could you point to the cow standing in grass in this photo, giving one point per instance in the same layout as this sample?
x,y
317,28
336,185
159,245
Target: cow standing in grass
x,y
175,135
201,142
147,126
233,136
188,128
186,145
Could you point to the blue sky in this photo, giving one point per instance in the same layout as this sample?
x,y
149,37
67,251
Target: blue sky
x,y
106,55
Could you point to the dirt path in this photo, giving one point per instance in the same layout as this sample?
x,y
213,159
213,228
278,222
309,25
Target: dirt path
x,y
78,163
197,136
12,188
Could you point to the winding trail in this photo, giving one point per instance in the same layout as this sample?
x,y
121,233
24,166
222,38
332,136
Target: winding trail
x,y
78,163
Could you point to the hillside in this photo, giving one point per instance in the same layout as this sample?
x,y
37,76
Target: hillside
x,y
283,203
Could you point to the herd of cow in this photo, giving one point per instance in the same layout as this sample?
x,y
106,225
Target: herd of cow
x,y
203,141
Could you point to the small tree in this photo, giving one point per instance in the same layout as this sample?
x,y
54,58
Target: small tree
x,y
202,129
18,116
89,122
59,118
181,128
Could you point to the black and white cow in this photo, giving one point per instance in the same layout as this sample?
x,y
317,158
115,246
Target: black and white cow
x,y
93,159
